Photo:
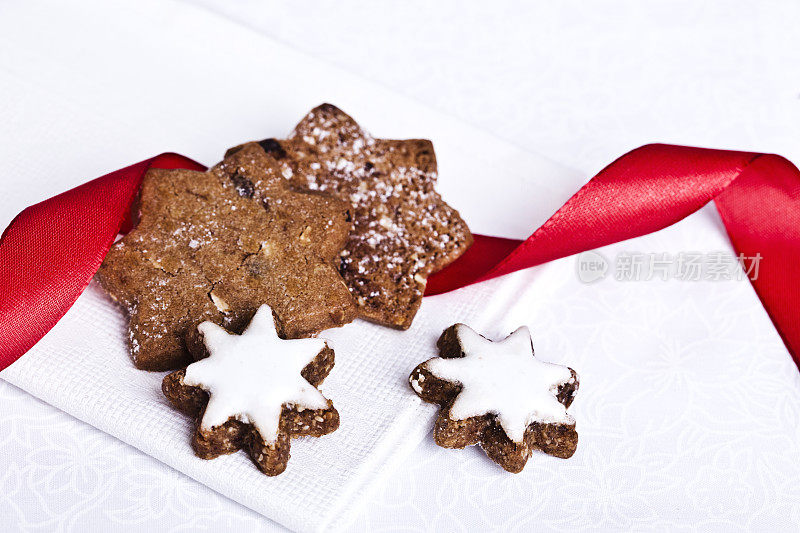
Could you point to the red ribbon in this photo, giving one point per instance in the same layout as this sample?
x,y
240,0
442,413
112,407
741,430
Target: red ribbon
x,y
51,250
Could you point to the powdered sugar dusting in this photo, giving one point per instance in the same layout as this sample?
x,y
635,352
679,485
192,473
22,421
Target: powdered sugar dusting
x,y
403,231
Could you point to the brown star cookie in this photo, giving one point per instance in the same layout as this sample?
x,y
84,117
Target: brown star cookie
x,y
254,391
206,249
403,231
498,395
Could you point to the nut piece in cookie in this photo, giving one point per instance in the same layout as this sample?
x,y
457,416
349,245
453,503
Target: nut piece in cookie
x,y
498,395
403,230
254,391
206,249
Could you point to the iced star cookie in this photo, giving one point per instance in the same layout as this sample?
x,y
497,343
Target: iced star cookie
x,y
403,230
254,391
498,395
205,248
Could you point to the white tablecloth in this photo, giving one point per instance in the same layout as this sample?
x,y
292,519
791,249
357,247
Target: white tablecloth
x,y
689,402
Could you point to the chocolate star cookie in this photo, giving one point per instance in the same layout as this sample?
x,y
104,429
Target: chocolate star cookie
x,y
403,231
205,248
498,395
254,391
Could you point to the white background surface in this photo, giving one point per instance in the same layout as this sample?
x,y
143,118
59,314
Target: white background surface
x,y
582,84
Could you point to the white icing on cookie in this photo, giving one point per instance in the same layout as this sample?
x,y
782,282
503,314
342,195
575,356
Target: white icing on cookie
x,y
504,379
253,375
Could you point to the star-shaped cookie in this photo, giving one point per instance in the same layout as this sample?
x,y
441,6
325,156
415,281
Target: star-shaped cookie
x,y
206,248
403,230
254,391
498,395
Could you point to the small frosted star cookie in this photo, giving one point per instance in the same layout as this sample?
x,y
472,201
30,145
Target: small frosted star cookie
x,y
254,391
206,249
498,395
403,230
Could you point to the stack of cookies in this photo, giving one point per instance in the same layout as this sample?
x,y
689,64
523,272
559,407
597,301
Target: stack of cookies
x,y
296,236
